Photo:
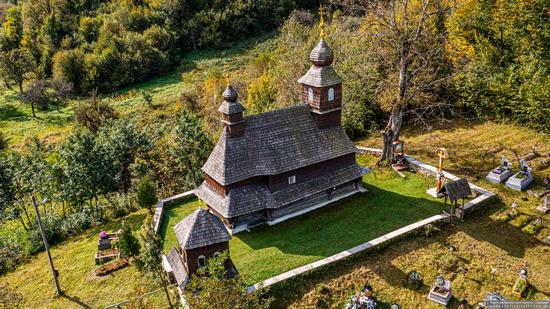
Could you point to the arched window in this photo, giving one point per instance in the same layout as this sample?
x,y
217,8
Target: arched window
x,y
331,94
202,261
310,94
216,254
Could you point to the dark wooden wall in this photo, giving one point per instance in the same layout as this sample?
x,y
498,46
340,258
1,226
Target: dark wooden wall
x,y
327,120
320,97
280,181
191,257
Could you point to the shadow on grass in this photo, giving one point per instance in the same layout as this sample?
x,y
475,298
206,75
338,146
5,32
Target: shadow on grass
x,y
9,112
344,224
75,300
502,235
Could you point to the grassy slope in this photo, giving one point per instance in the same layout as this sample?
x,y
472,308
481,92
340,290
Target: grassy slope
x,y
482,243
391,203
74,259
15,116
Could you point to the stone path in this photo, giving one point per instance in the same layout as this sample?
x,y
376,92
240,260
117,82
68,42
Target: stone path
x,y
346,253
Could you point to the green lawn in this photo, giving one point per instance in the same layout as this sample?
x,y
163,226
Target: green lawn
x,y
74,259
392,202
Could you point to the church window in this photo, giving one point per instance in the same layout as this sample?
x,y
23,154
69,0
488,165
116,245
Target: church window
x,y
202,261
310,94
331,94
291,180
216,254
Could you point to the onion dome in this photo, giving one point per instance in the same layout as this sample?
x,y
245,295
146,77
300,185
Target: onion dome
x,y
230,104
230,94
322,54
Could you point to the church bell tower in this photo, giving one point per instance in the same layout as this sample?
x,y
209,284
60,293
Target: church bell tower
x,y
321,86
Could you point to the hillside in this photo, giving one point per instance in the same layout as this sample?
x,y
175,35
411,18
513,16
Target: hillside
x,y
482,242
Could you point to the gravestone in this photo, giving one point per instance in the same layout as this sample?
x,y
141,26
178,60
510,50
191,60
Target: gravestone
x,y
522,179
544,208
501,173
441,291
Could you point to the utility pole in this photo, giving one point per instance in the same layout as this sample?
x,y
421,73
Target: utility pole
x,y
55,273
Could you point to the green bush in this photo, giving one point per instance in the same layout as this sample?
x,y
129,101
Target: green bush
x,y
128,243
532,228
146,194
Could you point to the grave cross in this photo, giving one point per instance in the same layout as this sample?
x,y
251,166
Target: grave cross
x,y
442,154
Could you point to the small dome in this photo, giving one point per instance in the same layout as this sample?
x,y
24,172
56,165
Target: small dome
x,y
230,95
321,55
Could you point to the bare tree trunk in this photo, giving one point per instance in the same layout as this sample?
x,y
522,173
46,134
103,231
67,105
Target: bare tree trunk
x,y
23,223
391,133
7,84
393,128
32,108
21,88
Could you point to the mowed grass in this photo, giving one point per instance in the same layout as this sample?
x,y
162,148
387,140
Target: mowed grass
x,y
392,202
74,259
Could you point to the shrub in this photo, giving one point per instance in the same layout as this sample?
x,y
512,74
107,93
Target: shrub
x,y
128,243
52,229
12,249
146,193
94,112
76,223
532,228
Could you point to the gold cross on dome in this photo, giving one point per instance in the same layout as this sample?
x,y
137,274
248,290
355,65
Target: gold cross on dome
x,y
321,22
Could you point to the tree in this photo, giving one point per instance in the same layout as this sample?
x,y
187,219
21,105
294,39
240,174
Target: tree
x,y
210,288
124,142
500,54
13,28
15,67
146,193
87,167
94,112
44,92
149,260
408,41
7,188
69,66
128,243
191,147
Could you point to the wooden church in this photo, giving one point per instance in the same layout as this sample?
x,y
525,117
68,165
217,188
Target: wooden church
x,y
269,167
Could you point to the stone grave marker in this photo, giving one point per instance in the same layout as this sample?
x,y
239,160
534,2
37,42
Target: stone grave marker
x,y
522,179
501,173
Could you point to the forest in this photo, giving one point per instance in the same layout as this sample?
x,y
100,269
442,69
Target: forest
x,y
469,59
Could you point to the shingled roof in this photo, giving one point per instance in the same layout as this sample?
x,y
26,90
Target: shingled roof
x,y
177,268
273,143
458,189
200,229
250,198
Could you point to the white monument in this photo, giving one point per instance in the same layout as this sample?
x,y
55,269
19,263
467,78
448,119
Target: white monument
x,y
522,179
501,173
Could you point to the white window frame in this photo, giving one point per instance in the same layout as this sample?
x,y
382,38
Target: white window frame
x,y
292,180
217,253
310,94
331,94
199,260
